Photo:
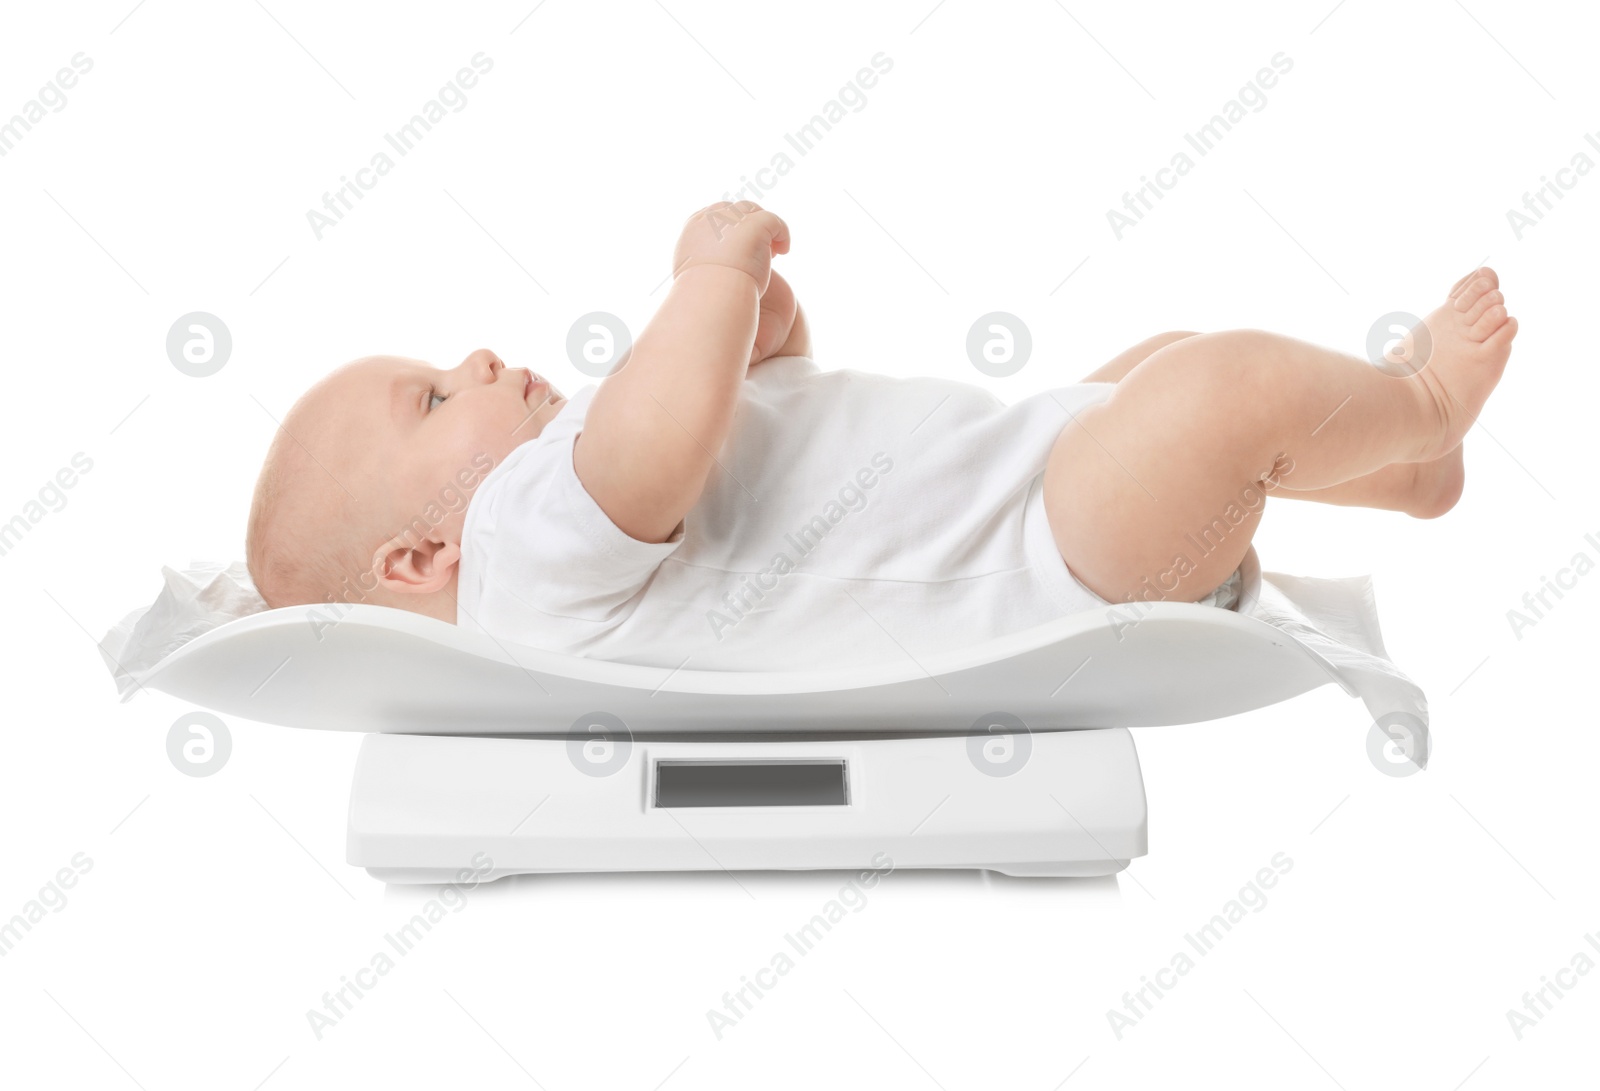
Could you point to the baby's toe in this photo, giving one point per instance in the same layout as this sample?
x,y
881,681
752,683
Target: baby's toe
x,y
1483,272
1474,290
1501,338
1490,321
1488,299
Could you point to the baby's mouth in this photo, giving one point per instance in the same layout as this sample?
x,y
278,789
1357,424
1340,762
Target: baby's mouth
x,y
533,381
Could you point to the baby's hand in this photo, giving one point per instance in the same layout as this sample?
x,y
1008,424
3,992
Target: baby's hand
x,y
740,236
779,312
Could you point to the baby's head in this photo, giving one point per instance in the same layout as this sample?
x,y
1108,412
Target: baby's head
x,y
364,491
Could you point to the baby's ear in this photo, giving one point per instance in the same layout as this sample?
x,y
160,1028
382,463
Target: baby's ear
x,y
409,568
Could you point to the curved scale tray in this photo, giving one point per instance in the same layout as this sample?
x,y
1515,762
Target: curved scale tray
x,y
377,669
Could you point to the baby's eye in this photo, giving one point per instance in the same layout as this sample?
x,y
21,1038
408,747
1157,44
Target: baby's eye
x,y
434,398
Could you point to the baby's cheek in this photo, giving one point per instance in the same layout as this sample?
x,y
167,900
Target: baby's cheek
x,y
488,439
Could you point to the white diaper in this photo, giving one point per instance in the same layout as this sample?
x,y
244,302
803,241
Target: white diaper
x,y
1226,596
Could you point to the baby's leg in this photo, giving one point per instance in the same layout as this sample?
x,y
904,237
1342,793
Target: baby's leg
x,y
1125,361
1156,492
1425,490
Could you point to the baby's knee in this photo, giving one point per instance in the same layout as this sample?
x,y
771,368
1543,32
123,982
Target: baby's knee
x,y
1244,356
1196,354
1162,340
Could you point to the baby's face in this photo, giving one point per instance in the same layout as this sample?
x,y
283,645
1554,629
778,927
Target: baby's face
x,y
418,436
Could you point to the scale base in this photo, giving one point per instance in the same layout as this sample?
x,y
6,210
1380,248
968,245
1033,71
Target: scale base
x,y
451,809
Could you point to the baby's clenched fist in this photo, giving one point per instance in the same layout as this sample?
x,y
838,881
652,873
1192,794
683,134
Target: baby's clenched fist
x,y
739,235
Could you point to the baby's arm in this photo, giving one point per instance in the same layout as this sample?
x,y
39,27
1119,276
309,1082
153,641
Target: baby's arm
x,y
654,428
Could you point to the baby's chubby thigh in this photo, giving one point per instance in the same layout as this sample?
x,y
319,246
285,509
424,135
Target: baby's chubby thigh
x,y
1143,505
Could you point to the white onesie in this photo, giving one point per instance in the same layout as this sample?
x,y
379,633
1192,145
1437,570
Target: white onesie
x,y
852,518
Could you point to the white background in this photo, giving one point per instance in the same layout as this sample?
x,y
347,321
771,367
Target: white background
x,y
977,178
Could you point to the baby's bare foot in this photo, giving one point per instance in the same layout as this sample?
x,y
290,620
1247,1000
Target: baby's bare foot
x,y
1468,342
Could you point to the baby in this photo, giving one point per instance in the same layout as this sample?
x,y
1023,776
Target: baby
x,y
718,502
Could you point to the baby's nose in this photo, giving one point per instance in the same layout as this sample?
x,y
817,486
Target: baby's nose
x,y
483,362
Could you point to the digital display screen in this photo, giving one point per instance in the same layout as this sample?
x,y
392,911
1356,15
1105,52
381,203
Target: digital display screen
x,y
753,783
